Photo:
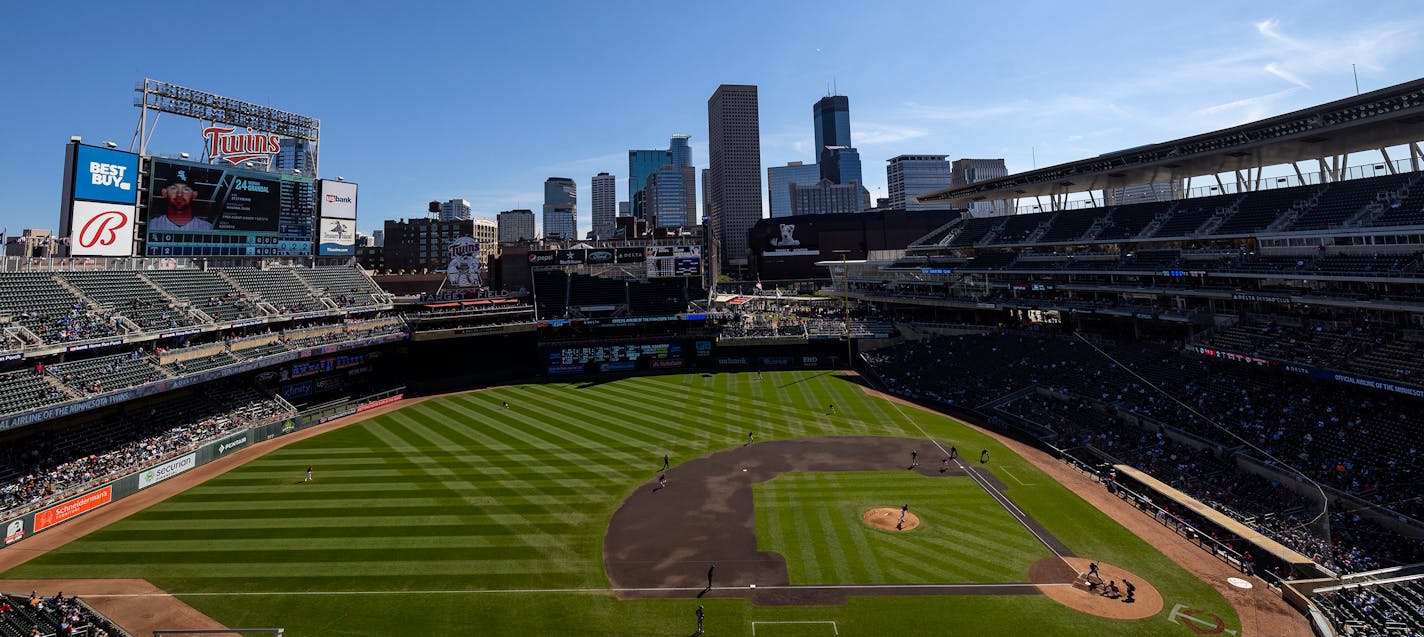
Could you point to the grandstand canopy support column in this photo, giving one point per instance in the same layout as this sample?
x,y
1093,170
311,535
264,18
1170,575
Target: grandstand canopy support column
x,y
1298,175
1388,163
1415,156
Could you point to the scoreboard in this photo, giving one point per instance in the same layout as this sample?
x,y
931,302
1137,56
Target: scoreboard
x,y
674,261
613,353
197,209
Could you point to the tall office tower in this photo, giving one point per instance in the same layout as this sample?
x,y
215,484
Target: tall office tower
x,y
832,116
779,180
666,198
841,165
964,172
378,238
681,154
623,209
825,198
455,210
642,163
734,149
295,154
560,208
605,203
910,175
515,225
706,194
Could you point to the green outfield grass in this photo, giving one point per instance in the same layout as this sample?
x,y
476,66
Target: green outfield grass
x,y
814,520
455,517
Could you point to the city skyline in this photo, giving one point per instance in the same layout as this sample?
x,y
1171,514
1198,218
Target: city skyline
x,y
1216,67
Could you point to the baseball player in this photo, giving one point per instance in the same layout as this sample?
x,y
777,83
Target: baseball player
x,y
700,616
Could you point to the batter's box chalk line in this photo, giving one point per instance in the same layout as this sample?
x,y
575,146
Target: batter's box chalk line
x,y
834,629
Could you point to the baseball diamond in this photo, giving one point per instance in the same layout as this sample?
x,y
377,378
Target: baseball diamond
x,y
523,517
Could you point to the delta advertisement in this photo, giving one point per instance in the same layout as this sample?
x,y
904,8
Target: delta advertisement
x,y
167,470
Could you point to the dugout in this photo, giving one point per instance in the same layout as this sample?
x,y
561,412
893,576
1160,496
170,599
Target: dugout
x,y
1268,555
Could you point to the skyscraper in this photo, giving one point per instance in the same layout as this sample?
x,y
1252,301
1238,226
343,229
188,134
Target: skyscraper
x,y
515,225
840,164
964,172
295,154
779,180
560,208
824,198
910,175
642,163
455,210
832,116
666,197
605,202
681,154
734,149
486,233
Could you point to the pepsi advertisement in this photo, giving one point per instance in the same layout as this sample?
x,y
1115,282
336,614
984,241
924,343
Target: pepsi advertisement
x,y
208,210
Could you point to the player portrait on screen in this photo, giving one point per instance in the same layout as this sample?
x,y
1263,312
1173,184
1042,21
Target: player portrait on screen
x,y
178,206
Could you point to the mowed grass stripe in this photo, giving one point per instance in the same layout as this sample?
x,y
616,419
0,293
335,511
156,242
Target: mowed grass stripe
x,y
964,537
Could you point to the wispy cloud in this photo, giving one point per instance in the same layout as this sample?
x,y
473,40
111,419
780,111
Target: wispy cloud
x,y
576,167
874,133
1276,70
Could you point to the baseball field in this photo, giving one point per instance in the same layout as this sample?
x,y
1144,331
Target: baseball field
x,y
458,515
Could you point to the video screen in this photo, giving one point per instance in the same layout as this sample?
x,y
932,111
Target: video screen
x,y
207,210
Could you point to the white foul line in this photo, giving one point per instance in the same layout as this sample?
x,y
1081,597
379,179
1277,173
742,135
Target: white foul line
x,y
832,623
532,591
1016,478
1014,511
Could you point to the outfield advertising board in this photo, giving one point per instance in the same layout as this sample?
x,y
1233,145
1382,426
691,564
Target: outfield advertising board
x,y
231,444
101,229
338,199
73,508
14,531
105,175
337,238
166,470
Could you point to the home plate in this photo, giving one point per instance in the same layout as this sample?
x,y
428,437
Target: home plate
x,y
753,585
743,470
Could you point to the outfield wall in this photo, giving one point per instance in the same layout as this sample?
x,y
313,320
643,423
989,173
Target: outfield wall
x,y
41,520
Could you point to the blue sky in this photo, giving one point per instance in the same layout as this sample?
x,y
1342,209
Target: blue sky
x,y
483,102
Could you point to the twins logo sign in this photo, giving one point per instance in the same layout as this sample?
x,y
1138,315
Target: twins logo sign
x,y
15,532
235,148
101,229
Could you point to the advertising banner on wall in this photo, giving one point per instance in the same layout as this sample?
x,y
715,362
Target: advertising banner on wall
x,y
338,238
103,174
73,508
167,470
338,199
101,229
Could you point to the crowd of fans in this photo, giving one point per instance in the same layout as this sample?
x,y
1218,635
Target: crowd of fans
x,y
1356,441
50,464
57,616
78,324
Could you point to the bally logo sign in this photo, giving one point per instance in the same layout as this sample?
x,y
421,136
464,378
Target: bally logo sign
x,y
101,229
235,148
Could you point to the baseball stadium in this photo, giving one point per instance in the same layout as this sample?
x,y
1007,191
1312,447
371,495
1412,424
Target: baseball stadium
x,y
1198,415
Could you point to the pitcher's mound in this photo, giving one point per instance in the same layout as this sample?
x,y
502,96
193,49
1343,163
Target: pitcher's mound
x,y
887,518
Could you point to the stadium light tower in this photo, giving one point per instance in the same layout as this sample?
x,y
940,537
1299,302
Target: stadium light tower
x,y
845,305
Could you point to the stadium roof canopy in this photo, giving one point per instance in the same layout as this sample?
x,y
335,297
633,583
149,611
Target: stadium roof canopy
x,y
1376,120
